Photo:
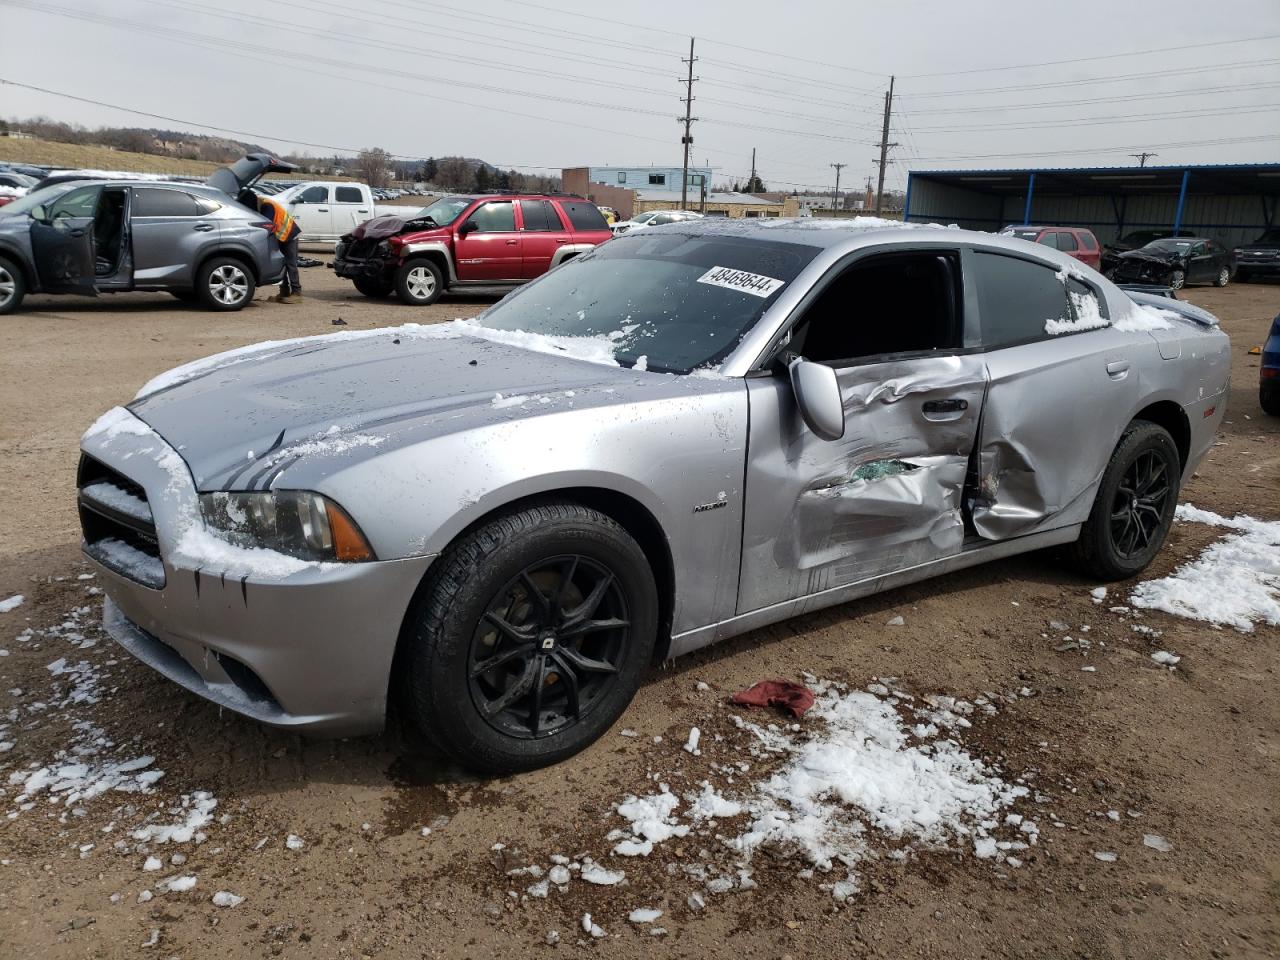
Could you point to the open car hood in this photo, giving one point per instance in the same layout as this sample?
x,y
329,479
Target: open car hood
x,y
246,171
379,228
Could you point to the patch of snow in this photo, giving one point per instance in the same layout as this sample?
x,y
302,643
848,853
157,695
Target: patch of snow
x,y
591,349
294,842
1234,582
196,812
12,603
1165,658
588,926
691,745
515,400
1106,856
180,884
152,864
1142,318
1099,594
601,876
644,915
895,622
1156,842
225,898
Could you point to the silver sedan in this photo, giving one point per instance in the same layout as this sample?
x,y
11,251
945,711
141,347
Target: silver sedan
x,y
688,433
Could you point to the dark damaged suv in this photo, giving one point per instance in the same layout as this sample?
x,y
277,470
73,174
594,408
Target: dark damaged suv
x,y
459,241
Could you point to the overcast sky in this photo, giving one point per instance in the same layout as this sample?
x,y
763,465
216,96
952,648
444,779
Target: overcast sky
x,y
571,83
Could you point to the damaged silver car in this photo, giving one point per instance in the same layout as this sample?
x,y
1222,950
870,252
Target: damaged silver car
x,y
685,434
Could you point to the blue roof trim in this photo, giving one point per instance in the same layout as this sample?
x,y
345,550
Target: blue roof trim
x,y
1171,168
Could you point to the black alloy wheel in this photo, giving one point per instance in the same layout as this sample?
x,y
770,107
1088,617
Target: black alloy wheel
x,y
1134,506
529,637
1138,507
549,646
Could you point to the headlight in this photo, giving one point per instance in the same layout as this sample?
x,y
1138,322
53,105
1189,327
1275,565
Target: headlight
x,y
301,524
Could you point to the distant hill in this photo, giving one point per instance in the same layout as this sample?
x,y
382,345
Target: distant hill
x,y
92,157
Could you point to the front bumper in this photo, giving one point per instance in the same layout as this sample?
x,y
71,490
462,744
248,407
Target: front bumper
x,y
1143,271
1258,268
309,651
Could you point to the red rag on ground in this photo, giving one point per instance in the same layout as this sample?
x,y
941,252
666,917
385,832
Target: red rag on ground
x,y
795,698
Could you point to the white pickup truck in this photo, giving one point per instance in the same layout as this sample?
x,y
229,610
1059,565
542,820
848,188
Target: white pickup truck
x,y
328,209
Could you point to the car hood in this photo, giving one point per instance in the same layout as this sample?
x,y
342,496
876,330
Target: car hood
x,y
246,171
239,419
1153,256
1272,247
391,225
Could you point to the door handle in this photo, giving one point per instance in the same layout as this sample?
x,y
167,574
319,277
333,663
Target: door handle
x,y
953,405
562,241
362,210
203,227
322,209
1117,369
77,233
512,243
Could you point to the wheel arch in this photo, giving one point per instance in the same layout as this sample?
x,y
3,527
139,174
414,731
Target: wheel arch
x,y
16,257
247,260
436,253
628,512
1170,415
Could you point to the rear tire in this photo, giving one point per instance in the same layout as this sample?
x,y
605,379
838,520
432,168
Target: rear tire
x,y
1223,277
419,283
1269,399
13,287
1177,280
517,593
375,289
1134,506
224,284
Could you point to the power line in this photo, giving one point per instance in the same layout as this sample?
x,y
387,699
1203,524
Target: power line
x,y
1125,98
1221,141
1105,56
1104,121
1112,78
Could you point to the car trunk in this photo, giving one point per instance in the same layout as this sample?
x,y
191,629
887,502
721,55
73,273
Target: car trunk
x,y
246,171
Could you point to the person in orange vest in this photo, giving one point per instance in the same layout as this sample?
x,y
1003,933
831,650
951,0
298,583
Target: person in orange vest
x,y
286,230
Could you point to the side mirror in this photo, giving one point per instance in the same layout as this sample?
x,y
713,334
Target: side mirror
x,y
38,212
818,396
469,227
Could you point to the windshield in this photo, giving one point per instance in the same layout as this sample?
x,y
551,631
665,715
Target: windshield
x,y
445,210
1170,246
669,302
644,217
24,205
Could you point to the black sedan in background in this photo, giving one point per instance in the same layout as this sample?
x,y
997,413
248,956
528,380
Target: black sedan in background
x,y
1134,240
1175,262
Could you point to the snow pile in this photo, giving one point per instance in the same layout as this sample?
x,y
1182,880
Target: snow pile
x,y
1085,311
592,349
1142,317
1235,582
12,603
867,770
194,812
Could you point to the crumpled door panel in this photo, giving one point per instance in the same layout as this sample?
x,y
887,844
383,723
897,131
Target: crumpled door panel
x,y
886,496
1053,415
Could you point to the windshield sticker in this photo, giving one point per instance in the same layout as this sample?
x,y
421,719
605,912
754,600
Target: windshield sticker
x,y
752,283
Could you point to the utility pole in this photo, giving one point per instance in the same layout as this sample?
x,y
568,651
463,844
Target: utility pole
x,y
835,194
687,120
884,145
1142,157
751,182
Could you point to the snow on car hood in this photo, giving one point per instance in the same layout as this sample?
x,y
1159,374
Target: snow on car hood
x,y
238,417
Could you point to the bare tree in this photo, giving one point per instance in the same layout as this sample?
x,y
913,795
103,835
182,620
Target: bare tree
x,y
455,174
373,165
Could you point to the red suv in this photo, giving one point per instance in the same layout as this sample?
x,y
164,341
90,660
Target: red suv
x,y
485,241
1073,241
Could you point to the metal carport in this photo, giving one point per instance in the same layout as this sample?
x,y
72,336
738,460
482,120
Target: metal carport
x,y
1231,203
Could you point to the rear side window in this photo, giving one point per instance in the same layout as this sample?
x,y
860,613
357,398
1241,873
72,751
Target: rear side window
x,y
348,195
316,194
539,216
1018,298
1067,240
584,216
1088,240
164,203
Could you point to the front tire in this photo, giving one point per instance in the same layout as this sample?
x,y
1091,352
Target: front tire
x,y
530,638
1134,506
13,287
1177,280
1223,277
419,283
224,284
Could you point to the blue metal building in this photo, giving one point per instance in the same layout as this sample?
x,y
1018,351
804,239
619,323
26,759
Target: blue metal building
x,y
1230,203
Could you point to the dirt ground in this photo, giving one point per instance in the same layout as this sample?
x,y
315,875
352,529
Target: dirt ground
x,y
1192,755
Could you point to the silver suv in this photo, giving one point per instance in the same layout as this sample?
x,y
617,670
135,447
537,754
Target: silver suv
x,y
90,236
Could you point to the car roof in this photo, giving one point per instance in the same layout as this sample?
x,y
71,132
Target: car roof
x,y
199,188
858,231
1032,226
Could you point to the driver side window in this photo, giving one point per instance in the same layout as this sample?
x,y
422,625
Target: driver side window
x,y
316,194
76,203
496,217
899,303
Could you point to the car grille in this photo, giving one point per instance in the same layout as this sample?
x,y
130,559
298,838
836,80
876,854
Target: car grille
x,y
115,519
1259,255
1145,272
361,249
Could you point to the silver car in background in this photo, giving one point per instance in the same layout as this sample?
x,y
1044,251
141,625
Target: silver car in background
x,y
84,235
685,434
